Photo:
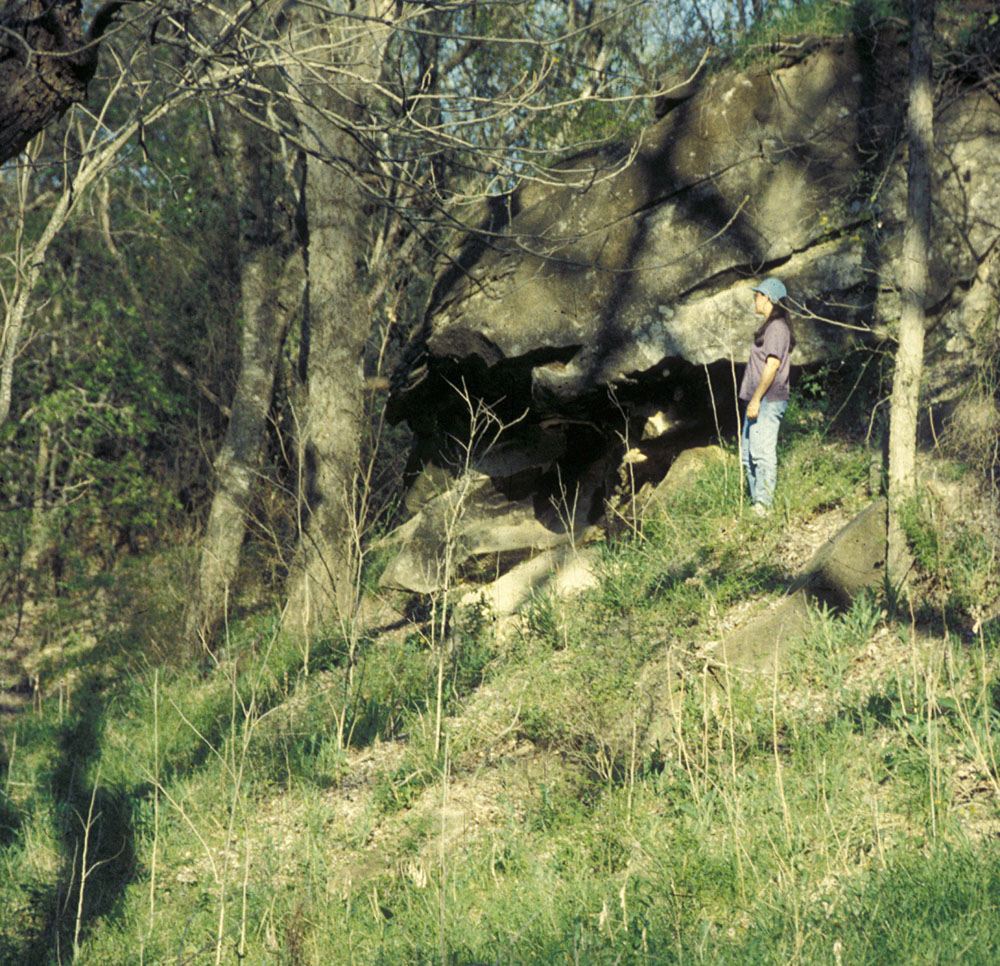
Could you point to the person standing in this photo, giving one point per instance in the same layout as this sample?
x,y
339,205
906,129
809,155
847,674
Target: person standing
x,y
764,390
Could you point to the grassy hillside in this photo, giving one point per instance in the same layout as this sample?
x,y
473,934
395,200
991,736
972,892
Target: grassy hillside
x,y
599,790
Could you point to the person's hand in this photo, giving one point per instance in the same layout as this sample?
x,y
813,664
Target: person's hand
x,y
753,409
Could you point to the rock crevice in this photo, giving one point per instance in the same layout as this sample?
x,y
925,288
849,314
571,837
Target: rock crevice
x,y
619,300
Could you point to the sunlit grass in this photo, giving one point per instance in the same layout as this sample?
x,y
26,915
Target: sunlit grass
x,y
601,795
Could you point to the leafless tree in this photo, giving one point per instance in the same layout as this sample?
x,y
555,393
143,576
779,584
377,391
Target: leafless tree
x,y
915,281
409,122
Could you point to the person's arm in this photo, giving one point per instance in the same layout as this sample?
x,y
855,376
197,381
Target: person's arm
x,y
771,365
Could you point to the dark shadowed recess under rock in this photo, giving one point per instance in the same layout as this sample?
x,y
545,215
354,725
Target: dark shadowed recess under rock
x,y
612,313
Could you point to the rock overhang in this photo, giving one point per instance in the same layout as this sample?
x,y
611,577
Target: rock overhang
x,y
603,298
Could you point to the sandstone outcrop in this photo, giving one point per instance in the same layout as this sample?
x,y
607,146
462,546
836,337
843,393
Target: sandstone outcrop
x,y
609,314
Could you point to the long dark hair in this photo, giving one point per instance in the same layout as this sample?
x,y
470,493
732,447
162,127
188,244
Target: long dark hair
x,y
778,311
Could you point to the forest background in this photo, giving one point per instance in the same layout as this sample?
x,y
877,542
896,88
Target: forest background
x,y
213,263
215,260
210,267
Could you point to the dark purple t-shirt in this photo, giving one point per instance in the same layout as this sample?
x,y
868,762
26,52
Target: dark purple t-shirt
x,y
776,342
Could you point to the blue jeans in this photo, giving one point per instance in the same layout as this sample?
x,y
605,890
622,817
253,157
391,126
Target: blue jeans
x,y
760,450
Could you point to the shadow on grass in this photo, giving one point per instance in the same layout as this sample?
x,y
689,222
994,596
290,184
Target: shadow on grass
x,y
10,820
97,848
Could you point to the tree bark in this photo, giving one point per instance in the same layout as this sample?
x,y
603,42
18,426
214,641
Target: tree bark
x,y
46,63
269,293
322,582
914,282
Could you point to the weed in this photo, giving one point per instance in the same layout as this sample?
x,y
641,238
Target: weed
x,y
544,623
624,803
834,640
961,559
841,395
971,431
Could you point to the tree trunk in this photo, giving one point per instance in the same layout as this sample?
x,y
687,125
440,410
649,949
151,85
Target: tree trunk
x,y
322,582
266,305
38,528
914,282
45,65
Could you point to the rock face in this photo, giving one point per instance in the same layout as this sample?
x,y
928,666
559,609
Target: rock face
x,y
610,314
848,563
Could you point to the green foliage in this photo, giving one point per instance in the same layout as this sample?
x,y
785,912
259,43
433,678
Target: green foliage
x,y
844,395
972,428
835,639
814,476
960,558
813,18
104,436
635,803
96,427
921,534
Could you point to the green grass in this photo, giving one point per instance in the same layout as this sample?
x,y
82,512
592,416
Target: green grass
x,y
599,796
812,18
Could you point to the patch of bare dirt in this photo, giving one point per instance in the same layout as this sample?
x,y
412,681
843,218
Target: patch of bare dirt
x,y
363,841
800,541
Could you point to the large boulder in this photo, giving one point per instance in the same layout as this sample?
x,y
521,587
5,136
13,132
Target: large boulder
x,y
612,310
